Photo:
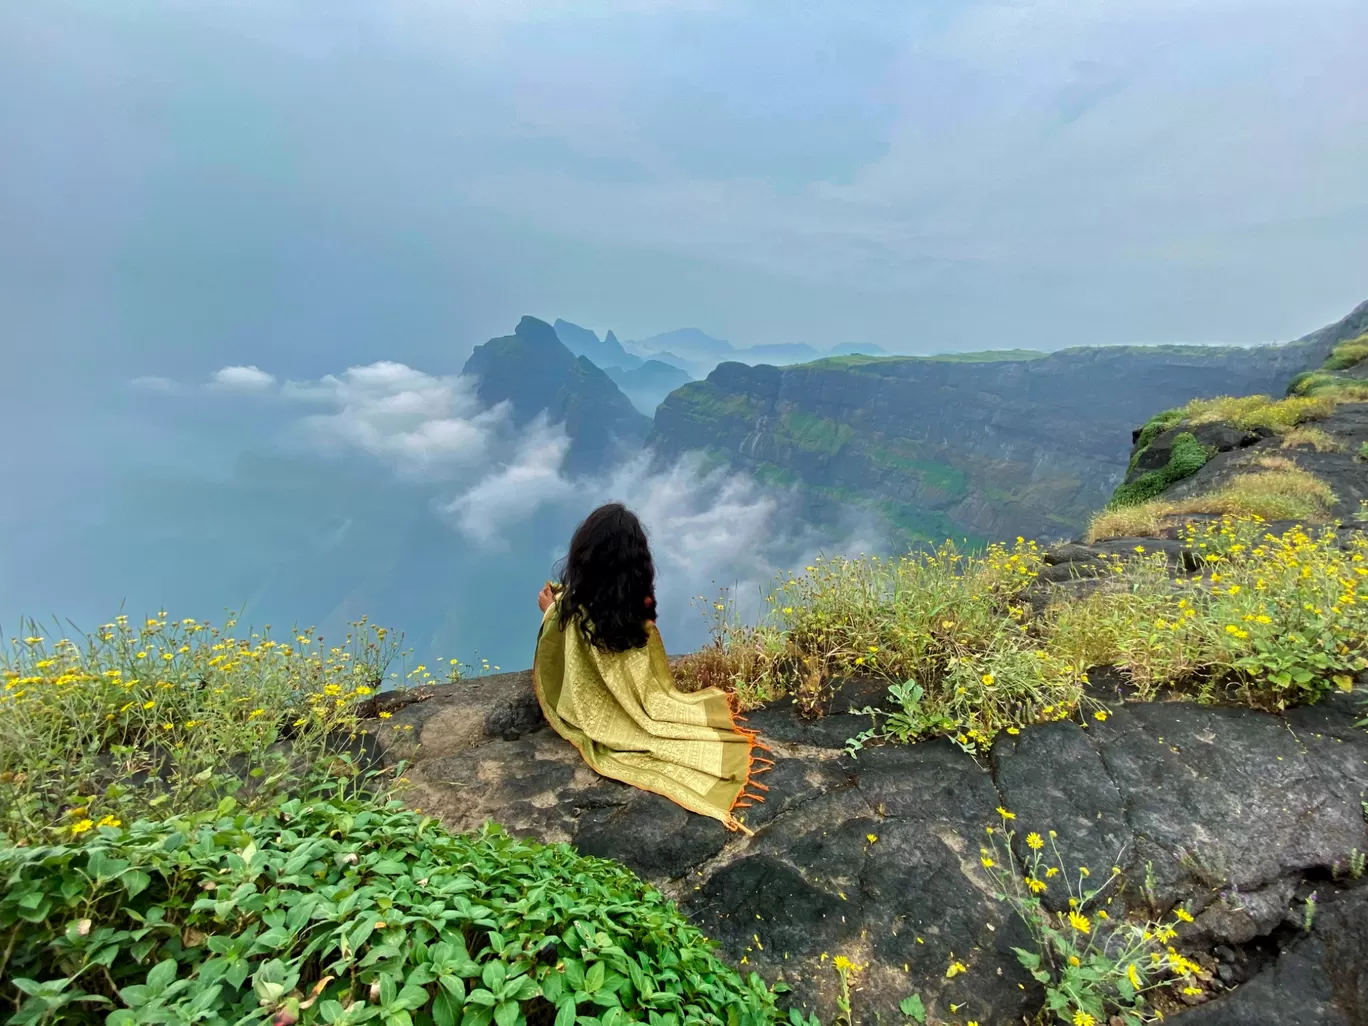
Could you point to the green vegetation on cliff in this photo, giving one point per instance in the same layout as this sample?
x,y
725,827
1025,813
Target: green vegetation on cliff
x,y
191,834
1274,622
820,435
857,361
1185,458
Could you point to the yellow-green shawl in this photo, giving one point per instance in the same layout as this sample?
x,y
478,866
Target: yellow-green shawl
x,y
629,721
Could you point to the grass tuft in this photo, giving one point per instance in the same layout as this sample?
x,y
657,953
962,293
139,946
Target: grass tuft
x,y
1279,491
1305,437
1256,411
1348,354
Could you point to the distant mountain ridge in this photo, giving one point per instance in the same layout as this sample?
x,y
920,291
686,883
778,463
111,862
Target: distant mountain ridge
x,y
983,445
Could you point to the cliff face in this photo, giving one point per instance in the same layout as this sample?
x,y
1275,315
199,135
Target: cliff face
x,y
986,445
534,371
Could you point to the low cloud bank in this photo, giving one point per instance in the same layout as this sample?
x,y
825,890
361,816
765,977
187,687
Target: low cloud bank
x,y
502,488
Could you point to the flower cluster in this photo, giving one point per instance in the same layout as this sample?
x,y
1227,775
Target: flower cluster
x,y
1094,964
145,714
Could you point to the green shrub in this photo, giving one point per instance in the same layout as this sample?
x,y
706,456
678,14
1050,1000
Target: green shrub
x,y
1349,353
952,622
167,717
1327,386
1185,459
330,909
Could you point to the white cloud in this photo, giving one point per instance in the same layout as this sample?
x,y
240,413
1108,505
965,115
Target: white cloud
x,y
509,494
426,426
242,379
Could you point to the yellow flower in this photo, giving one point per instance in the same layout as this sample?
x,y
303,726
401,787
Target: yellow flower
x,y
955,969
1082,1018
988,680
108,821
1192,990
149,704
987,862
842,964
1079,922
1033,841
255,713
1035,885
873,648
1052,871
1100,715
1013,730
1184,915
1073,961
1083,871
1005,814
871,838
81,826
1133,976
386,715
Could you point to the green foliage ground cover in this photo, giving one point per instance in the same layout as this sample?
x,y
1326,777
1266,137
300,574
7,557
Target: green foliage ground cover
x,y
339,908
185,838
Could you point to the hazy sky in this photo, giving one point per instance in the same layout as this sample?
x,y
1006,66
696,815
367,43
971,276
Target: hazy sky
x,y
312,185
349,194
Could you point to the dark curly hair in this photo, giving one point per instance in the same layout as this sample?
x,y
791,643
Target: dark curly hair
x,y
608,580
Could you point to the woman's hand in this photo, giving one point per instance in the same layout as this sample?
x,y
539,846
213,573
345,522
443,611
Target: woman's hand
x,y
546,598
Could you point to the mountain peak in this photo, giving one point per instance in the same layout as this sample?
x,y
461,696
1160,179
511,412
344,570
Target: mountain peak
x,y
537,333
534,370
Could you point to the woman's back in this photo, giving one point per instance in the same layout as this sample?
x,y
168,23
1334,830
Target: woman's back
x,y
604,682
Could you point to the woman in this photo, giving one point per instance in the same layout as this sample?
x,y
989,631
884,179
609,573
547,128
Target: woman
x,y
604,683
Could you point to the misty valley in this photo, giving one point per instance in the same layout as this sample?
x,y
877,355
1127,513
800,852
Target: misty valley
x,y
438,502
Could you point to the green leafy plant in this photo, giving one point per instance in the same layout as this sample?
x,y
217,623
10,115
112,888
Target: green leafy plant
x,y
907,723
1093,967
912,1007
338,909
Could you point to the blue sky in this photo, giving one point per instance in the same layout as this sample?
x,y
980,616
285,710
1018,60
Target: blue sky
x,y
315,187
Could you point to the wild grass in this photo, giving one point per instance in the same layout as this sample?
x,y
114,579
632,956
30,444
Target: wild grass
x,y
953,621
1306,437
1256,411
1277,622
1281,492
1348,354
1325,385
169,716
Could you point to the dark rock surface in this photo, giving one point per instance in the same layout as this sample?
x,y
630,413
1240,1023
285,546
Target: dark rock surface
x,y
1236,814
1342,470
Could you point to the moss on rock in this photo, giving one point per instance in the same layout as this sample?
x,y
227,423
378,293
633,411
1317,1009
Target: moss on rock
x,y
1185,458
